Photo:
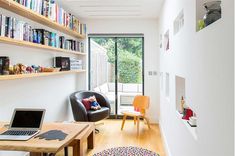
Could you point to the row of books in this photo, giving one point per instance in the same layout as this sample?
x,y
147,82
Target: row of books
x,y
20,30
53,11
70,44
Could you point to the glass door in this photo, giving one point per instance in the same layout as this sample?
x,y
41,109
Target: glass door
x,y
129,71
116,70
102,68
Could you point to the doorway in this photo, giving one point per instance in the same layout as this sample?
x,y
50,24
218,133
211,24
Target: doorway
x,y
116,69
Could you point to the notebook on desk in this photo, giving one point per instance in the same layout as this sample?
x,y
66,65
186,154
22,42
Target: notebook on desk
x,y
25,123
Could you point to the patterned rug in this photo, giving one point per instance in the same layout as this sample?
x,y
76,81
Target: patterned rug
x,y
126,151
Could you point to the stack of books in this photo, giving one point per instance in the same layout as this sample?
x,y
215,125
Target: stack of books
x,y
53,11
20,30
75,64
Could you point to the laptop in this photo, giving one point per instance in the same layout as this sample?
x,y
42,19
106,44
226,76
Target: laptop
x,y
25,123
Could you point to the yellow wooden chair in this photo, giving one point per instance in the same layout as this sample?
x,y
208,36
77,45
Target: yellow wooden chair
x,y
140,103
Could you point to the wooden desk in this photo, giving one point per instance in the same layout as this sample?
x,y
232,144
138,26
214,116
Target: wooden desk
x,y
37,147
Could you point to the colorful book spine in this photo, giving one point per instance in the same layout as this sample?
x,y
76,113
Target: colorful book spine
x,y
3,25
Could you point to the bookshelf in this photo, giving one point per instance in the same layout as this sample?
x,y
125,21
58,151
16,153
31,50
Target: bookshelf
x,y
45,74
25,12
11,41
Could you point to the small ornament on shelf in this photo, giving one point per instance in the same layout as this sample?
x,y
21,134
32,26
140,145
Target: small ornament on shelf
x,y
182,103
192,121
187,113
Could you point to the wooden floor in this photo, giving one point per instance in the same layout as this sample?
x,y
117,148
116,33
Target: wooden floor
x,y
111,136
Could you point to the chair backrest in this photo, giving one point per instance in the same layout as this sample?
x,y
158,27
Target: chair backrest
x,y
141,103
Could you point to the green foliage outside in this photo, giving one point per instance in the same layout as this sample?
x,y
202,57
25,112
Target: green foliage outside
x,y
129,68
129,57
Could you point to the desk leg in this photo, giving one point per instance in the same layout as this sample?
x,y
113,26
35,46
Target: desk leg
x,y
41,154
35,154
91,140
78,148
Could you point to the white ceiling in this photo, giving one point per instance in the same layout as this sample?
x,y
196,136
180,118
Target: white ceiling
x,y
88,9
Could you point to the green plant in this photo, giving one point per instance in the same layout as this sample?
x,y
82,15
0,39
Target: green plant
x,y
129,68
201,24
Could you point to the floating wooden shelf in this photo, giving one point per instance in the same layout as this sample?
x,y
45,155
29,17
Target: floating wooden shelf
x,y
30,14
23,76
38,46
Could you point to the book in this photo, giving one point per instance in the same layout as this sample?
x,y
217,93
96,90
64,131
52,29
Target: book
x,y
2,25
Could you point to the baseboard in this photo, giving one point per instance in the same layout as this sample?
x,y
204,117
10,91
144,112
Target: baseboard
x,y
166,146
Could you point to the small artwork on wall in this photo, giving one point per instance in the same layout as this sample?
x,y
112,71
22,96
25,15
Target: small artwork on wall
x,y
166,41
179,22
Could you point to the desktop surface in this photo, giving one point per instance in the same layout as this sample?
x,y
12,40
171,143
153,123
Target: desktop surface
x,y
42,145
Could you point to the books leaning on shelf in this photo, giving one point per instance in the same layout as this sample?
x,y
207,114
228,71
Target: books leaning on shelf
x,y
20,30
54,12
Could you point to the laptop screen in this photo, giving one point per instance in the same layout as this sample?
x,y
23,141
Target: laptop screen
x,y
27,119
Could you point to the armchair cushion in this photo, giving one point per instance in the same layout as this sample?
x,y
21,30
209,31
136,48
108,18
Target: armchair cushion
x,y
86,103
98,115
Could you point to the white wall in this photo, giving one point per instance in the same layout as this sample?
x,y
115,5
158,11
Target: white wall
x,y
50,92
206,60
150,30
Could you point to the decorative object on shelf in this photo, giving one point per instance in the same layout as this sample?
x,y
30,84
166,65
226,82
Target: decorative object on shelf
x,y
17,69
213,12
192,121
4,65
46,69
182,102
201,24
187,114
63,63
24,69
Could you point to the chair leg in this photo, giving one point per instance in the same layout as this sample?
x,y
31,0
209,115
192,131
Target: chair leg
x,y
138,125
135,120
123,121
147,120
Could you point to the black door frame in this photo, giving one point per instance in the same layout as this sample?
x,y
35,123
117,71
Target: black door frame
x,y
114,36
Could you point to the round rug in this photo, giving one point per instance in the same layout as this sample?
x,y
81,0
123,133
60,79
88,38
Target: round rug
x,y
126,151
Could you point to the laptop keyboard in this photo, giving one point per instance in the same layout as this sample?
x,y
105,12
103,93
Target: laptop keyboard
x,y
15,132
